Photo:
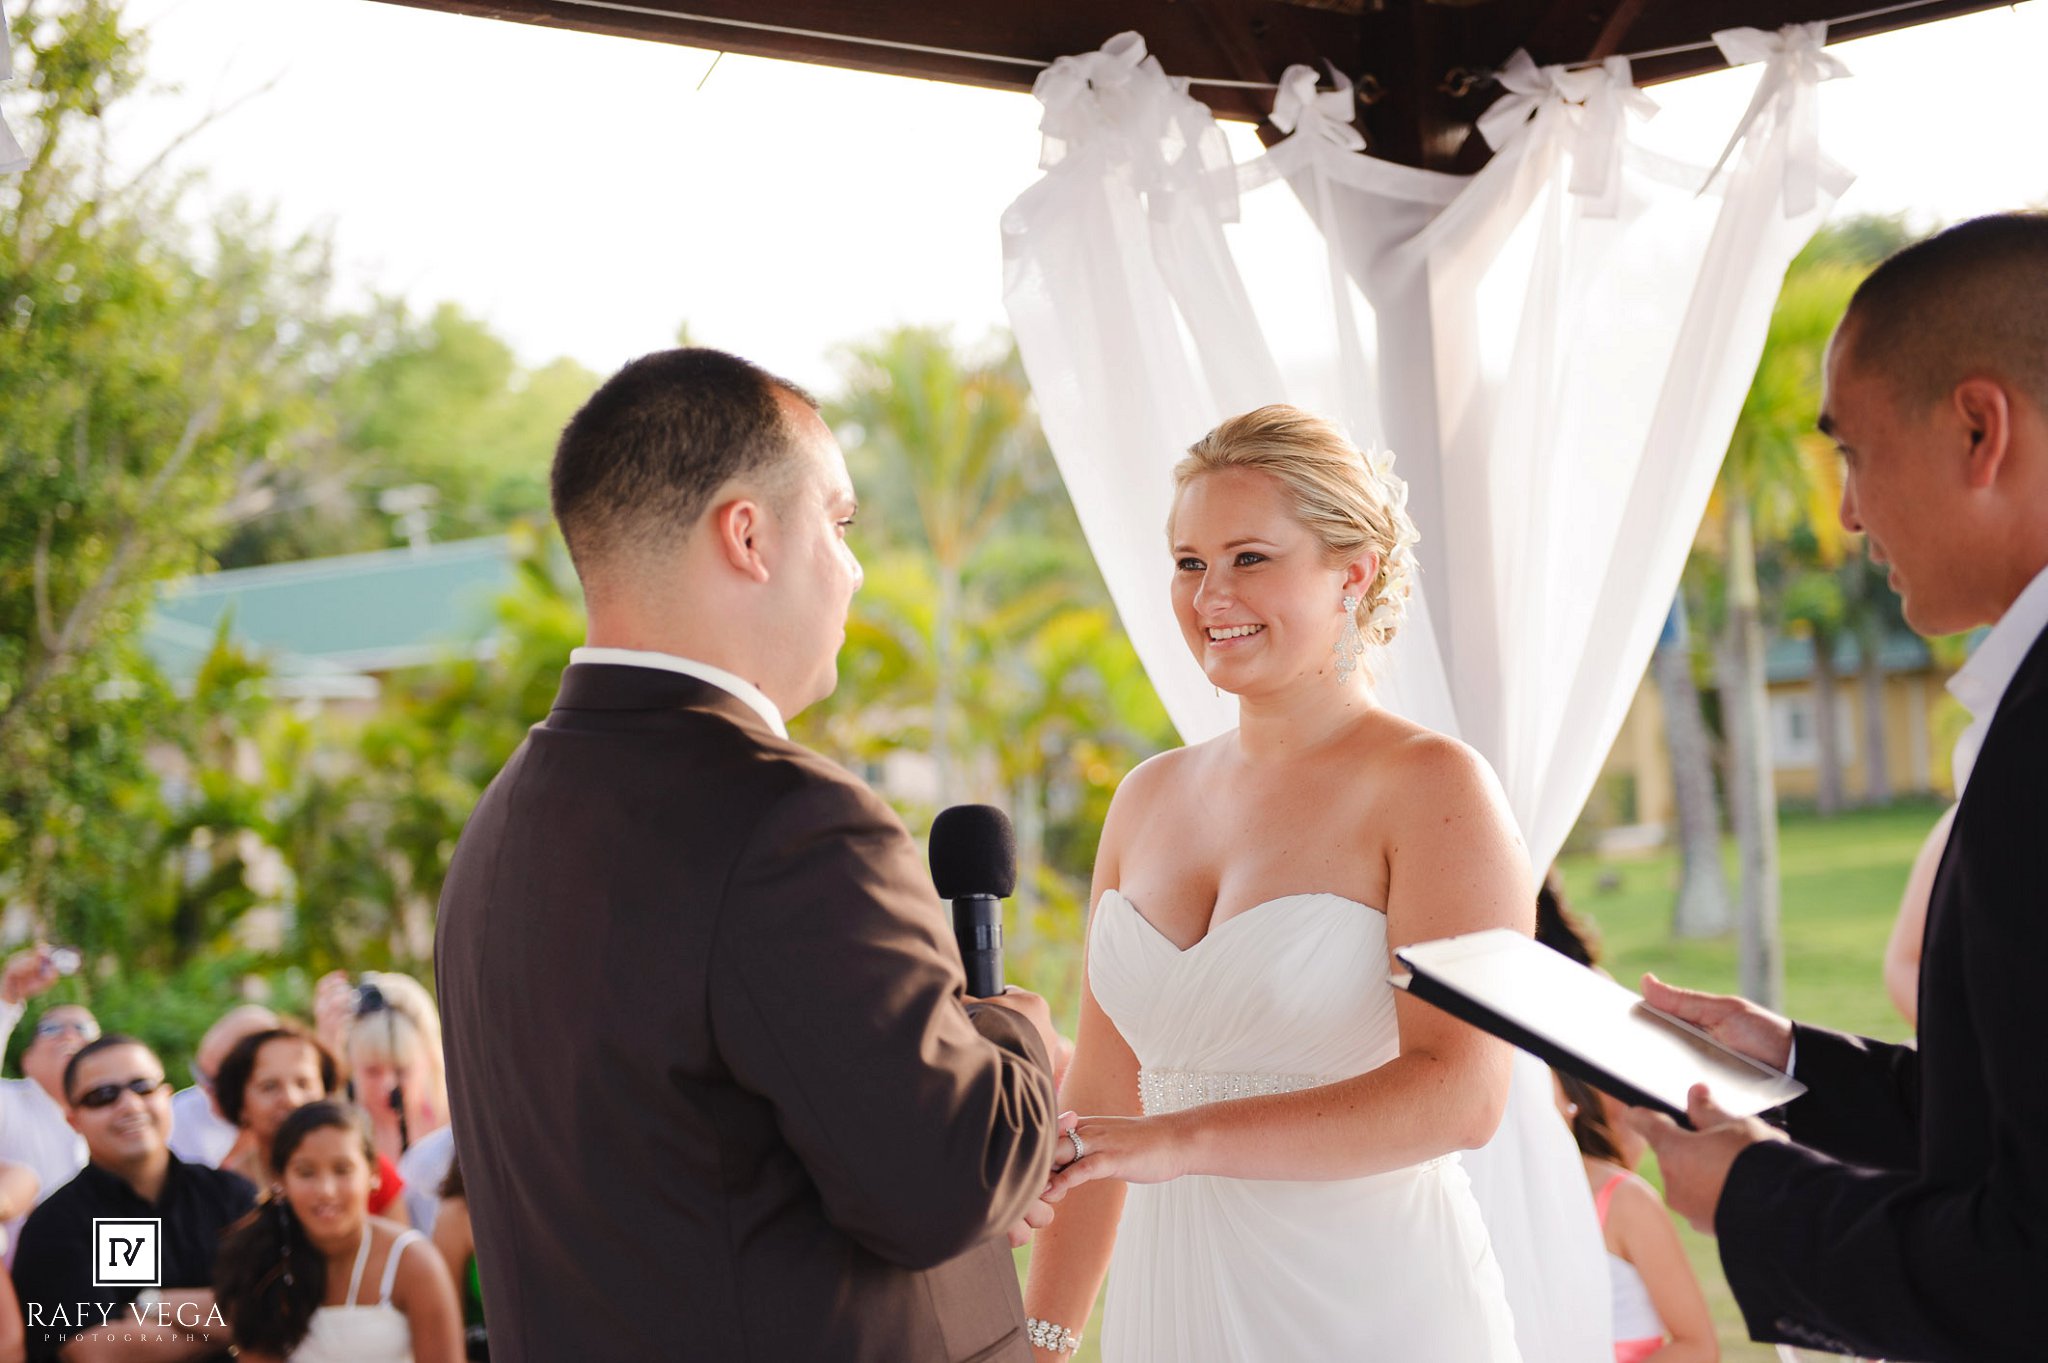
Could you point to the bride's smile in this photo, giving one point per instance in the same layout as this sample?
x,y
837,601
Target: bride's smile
x,y
1255,595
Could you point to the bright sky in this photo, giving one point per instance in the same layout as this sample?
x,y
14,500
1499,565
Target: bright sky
x,y
584,196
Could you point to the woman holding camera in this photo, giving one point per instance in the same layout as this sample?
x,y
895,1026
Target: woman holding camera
x,y
387,1029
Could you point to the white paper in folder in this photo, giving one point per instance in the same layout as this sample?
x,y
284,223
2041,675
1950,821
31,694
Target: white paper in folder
x,y
1583,1022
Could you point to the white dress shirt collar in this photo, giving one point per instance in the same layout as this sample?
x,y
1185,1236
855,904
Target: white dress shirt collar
x,y
689,667
1982,681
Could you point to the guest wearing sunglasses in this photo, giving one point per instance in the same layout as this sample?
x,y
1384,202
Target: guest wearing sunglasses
x,y
120,1103
33,1128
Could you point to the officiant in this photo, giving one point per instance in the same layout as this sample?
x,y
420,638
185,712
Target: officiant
x,y
1903,1210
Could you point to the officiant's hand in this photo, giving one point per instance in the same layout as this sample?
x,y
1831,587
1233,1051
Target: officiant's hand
x,y
1735,1022
1695,1163
1134,1149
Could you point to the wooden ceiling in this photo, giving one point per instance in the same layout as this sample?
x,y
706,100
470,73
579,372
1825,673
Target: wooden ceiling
x,y
1423,63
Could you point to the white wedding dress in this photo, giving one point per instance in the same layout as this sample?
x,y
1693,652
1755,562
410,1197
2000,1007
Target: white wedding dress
x,y
1396,1266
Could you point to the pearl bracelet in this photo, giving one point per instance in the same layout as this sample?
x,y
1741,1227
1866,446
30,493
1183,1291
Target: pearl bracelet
x,y
1044,1334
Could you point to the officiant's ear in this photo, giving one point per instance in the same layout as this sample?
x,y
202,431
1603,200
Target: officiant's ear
x,y
740,530
1984,408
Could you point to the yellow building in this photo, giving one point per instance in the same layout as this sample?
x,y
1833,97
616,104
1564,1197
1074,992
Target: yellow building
x,y
1921,721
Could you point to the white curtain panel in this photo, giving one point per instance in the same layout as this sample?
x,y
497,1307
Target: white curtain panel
x,y
12,157
1556,349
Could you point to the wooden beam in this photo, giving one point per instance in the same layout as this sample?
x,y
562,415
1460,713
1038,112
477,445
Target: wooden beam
x,y
1691,24
1409,46
939,41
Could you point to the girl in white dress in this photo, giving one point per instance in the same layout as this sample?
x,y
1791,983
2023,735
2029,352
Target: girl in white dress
x,y
311,1277
1290,1122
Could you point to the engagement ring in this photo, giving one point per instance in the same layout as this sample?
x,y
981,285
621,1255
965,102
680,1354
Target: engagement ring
x,y
1079,1149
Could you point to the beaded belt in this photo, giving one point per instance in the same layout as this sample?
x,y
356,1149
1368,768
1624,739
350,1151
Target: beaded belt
x,y
1174,1090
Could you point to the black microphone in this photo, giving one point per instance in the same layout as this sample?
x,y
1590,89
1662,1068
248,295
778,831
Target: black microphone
x,y
974,864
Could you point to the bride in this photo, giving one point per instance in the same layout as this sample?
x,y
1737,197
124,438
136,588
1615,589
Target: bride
x,y
1292,1189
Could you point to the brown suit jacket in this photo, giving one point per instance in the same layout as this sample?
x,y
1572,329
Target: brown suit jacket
x,y
716,1090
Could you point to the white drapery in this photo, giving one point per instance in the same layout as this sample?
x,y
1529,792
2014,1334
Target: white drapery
x,y
12,157
1557,349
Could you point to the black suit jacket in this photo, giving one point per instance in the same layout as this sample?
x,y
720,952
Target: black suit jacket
x,y
716,1091
1911,1219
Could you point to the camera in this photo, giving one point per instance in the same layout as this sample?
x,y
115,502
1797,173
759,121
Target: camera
x,y
369,999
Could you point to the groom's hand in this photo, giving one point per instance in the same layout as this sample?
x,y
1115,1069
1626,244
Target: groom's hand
x,y
1037,1217
1033,1010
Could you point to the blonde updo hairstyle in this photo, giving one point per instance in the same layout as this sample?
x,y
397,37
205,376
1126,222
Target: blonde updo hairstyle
x,y
1349,500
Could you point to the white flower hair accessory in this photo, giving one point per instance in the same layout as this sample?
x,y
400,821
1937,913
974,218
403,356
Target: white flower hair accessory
x,y
1386,597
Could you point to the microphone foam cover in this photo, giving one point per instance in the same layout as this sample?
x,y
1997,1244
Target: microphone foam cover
x,y
973,852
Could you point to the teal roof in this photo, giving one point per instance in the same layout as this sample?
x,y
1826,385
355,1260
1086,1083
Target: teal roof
x,y
1787,659
325,620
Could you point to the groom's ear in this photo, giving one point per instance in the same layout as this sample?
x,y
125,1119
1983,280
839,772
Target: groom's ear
x,y
740,530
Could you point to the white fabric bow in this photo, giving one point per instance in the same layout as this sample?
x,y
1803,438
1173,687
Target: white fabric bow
x,y
1796,62
1300,107
1529,87
1120,103
1598,100
1074,89
1603,131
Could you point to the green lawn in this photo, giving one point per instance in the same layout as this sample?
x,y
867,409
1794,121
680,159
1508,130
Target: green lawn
x,y
1841,878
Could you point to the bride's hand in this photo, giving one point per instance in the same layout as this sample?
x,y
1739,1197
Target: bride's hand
x,y
1133,1149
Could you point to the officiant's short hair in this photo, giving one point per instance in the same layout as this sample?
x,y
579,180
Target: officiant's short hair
x,y
639,462
1969,300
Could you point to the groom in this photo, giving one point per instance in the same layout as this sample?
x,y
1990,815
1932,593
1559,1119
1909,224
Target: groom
x,y
716,1088
1910,1219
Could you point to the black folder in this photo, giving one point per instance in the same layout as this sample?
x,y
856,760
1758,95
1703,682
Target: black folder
x,y
1585,1024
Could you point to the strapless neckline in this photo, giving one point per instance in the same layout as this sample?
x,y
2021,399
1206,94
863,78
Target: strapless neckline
x,y
1309,896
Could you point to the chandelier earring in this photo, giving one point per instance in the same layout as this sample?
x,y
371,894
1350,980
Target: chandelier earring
x,y
1350,645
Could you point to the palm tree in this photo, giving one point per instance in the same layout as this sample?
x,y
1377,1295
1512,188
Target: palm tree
x,y
1767,482
1873,613
1814,558
954,436
1702,908
1869,609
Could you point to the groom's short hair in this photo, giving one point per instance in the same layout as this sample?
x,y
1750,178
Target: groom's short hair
x,y
1969,300
638,463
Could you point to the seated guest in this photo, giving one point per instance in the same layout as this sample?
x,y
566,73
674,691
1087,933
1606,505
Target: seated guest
x,y
1562,930
20,1190
1660,1314
390,1034
200,1132
424,1169
1902,951
13,1345
120,1103
34,1130
455,1238
265,1078
313,1277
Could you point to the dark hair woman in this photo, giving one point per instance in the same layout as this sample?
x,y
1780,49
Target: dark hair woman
x,y
268,1076
311,1277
